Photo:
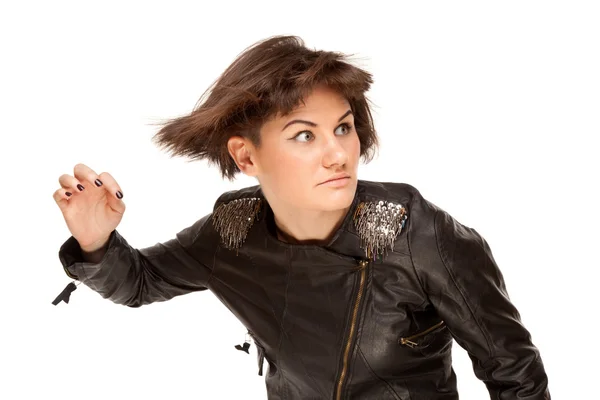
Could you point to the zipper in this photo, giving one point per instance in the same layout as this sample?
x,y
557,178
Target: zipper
x,y
363,269
408,341
260,351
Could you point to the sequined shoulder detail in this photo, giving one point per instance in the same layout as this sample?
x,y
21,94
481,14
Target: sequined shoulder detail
x,y
233,220
378,224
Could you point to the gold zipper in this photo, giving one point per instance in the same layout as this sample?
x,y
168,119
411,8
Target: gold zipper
x,y
363,264
407,341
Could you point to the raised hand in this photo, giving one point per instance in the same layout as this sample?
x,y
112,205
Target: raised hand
x,y
91,204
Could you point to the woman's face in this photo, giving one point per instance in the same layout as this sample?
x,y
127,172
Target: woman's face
x,y
309,159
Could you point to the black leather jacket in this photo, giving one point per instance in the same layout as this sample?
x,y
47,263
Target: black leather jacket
x,y
332,323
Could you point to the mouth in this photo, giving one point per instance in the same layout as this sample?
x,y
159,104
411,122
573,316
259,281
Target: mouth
x,y
336,179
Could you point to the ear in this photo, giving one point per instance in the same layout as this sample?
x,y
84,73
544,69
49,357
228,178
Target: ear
x,y
242,152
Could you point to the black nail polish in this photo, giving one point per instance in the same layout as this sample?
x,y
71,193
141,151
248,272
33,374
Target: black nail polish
x,y
68,193
80,187
119,194
98,182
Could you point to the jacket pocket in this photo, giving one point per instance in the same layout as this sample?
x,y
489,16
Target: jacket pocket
x,y
423,338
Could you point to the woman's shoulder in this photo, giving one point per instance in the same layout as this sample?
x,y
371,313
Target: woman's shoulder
x,y
249,193
429,221
235,212
417,206
396,192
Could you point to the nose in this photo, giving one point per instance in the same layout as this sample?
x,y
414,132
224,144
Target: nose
x,y
334,152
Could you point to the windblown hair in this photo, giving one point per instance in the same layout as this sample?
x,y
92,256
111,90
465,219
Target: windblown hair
x,y
271,77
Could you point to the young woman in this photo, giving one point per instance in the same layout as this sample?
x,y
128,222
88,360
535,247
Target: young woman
x,y
350,289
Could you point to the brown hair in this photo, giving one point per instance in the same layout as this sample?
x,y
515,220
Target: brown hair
x,y
271,76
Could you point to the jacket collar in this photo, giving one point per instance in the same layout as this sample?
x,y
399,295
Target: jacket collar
x,y
374,220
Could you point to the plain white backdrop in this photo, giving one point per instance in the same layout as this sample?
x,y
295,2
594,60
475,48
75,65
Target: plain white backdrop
x,y
490,109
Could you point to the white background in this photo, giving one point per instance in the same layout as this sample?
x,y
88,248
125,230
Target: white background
x,y
490,110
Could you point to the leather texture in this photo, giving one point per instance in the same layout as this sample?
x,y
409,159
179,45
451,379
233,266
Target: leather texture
x,y
331,327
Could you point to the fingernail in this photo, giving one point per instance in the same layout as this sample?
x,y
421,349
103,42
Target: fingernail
x,y
98,182
119,194
68,193
80,187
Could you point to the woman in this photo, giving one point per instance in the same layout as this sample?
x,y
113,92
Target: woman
x,y
350,289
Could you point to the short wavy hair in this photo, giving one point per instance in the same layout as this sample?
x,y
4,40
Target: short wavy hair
x,y
271,77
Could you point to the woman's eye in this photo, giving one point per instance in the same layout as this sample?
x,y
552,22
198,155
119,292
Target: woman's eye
x,y
347,126
303,136
306,136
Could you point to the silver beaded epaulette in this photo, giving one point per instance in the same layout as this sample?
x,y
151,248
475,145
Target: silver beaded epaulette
x,y
378,224
233,220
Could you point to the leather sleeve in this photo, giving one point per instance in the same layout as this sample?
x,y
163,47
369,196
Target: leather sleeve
x,y
463,282
135,277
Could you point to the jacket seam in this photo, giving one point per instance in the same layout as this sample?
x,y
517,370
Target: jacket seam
x,y
214,263
212,270
285,305
410,253
85,275
464,297
377,376
279,321
281,330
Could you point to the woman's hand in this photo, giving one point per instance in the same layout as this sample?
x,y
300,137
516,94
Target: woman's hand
x,y
95,211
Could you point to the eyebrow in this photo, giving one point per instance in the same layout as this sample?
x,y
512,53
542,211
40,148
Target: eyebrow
x,y
300,121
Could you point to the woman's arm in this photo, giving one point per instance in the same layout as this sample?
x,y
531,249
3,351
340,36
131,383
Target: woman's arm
x,y
457,270
135,277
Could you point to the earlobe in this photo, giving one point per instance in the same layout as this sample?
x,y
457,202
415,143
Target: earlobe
x,y
241,152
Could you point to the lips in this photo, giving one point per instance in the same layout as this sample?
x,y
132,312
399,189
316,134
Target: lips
x,y
336,177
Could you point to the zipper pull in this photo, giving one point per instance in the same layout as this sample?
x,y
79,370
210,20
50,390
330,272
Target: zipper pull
x,y
408,343
245,346
66,293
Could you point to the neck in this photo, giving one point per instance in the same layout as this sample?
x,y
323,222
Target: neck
x,y
307,226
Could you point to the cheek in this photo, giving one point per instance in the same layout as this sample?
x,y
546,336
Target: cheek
x,y
292,167
354,148
278,163
291,173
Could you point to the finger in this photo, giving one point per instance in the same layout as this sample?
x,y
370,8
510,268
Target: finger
x,y
71,183
114,192
84,173
62,198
